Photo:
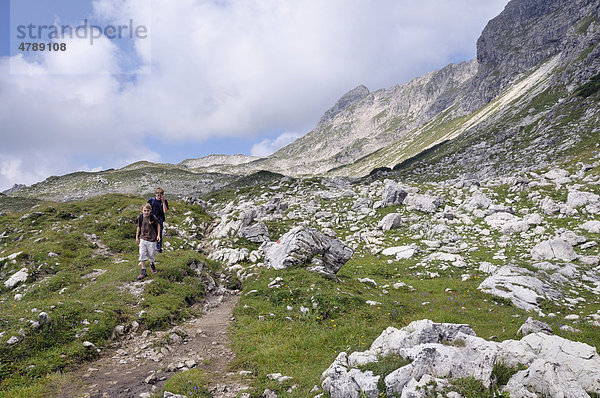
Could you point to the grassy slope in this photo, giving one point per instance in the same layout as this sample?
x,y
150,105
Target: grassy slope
x,y
58,256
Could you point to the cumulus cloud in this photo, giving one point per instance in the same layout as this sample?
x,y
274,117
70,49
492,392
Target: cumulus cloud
x,y
267,146
209,69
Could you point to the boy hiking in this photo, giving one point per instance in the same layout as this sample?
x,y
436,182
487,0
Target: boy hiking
x,y
160,206
147,234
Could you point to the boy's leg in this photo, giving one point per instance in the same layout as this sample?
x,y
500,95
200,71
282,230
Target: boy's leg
x,y
159,243
151,252
143,257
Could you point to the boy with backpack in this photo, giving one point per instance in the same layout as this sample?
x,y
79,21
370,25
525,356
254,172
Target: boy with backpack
x,y
147,234
160,206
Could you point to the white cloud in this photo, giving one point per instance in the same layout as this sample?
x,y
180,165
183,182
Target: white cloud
x,y
218,69
267,146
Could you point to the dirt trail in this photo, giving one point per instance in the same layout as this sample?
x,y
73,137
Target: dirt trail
x,y
142,363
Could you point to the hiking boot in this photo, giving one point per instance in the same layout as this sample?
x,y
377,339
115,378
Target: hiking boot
x,y
143,274
153,268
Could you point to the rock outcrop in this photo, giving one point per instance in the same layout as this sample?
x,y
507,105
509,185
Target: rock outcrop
x,y
441,352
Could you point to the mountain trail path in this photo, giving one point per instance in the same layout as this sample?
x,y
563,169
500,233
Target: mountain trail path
x,y
140,364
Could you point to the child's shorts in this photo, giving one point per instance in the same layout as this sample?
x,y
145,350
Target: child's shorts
x,y
147,250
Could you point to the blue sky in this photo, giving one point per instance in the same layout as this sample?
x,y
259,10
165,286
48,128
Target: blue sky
x,y
211,77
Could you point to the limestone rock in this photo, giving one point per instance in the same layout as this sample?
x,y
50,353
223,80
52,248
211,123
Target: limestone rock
x,y
401,252
534,326
390,221
393,193
16,278
520,286
479,201
441,352
592,227
578,198
257,232
300,245
424,203
554,249
230,256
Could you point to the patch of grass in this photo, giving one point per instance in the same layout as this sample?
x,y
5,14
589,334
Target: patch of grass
x,y
502,373
384,366
590,88
472,388
584,24
192,384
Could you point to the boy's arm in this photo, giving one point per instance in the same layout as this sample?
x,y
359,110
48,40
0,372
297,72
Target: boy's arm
x,y
158,231
165,206
137,235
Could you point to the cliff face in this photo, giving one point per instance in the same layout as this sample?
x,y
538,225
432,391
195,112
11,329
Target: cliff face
x,y
528,32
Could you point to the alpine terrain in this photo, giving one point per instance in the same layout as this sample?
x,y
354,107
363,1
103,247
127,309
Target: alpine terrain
x,y
436,238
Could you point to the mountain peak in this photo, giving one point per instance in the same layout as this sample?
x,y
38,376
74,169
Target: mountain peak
x,y
345,101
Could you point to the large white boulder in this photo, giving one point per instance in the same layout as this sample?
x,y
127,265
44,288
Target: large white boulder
x,y
579,198
301,245
554,249
424,203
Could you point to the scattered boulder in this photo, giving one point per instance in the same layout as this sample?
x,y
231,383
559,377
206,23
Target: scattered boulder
x,y
230,256
499,219
577,199
257,232
393,193
479,201
13,340
43,318
592,227
390,221
514,227
424,203
549,206
401,252
16,278
534,326
300,245
554,249
520,286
